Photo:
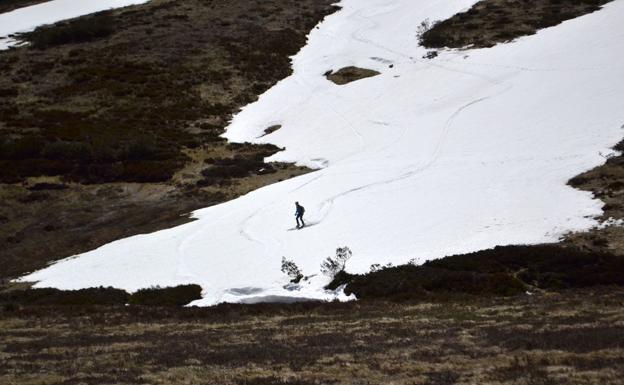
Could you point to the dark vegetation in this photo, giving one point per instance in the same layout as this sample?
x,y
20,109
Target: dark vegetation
x,y
574,337
221,170
10,5
490,22
110,124
501,271
84,29
606,183
117,96
168,296
56,297
155,296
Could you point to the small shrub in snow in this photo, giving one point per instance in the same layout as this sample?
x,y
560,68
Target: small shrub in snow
x,y
292,270
422,28
333,265
375,267
378,267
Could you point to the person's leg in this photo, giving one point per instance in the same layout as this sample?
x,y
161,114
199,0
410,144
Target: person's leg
x,y
297,218
302,222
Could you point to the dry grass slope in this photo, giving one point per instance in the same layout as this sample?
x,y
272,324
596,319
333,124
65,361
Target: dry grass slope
x,y
571,337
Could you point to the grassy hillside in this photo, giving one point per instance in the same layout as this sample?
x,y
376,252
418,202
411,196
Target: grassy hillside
x,y
571,337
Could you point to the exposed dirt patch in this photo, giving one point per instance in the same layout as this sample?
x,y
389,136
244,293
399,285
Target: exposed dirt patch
x,y
271,129
109,122
490,22
606,182
573,337
349,74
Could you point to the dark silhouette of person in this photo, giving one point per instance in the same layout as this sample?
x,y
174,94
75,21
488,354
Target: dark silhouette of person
x,y
299,215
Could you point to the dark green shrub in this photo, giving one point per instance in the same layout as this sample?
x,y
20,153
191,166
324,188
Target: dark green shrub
x,y
545,266
21,148
47,186
500,271
14,171
417,281
168,296
140,149
80,30
67,150
9,92
55,297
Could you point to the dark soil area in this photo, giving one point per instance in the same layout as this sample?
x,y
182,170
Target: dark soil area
x,y
490,22
570,337
110,123
349,74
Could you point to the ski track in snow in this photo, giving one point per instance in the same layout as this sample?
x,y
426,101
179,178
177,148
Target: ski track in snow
x,y
432,157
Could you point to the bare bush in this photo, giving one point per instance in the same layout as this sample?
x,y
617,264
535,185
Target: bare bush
x,y
333,265
292,270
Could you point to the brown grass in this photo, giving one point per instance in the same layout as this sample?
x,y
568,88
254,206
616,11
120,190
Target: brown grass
x,y
573,337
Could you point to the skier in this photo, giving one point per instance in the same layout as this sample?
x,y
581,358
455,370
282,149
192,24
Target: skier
x,y
299,215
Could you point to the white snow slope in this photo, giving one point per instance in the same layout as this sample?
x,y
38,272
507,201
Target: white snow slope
x,y
28,18
433,157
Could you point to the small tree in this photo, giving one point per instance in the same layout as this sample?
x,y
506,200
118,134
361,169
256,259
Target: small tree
x,y
422,28
292,270
333,265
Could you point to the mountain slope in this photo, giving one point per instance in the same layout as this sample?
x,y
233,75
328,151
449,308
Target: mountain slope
x,y
458,153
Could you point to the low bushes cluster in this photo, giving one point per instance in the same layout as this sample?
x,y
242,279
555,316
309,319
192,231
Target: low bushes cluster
x,y
239,166
49,296
543,266
168,296
490,21
99,160
103,296
503,271
90,173
81,30
410,281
